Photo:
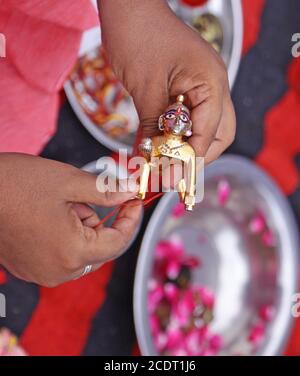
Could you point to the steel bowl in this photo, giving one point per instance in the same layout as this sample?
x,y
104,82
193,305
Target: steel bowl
x,y
228,12
243,274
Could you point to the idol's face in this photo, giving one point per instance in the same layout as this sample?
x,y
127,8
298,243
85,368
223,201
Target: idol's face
x,y
176,121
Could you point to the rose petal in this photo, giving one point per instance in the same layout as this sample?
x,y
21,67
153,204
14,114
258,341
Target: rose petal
x,y
173,269
216,342
178,210
154,324
257,224
192,342
206,295
171,292
154,297
223,192
256,334
175,338
192,262
268,238
267,313
160,341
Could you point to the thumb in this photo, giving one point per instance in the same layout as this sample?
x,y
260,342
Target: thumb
x,y
87,188
150,107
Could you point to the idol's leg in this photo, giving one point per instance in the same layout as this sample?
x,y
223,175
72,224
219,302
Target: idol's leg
x,y
189,199
181,189
144,180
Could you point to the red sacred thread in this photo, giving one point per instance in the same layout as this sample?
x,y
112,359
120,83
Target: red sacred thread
x,y
117,208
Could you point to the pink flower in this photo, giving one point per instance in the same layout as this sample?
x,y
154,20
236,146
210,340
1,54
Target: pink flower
x,y
178,210
171,249
204,333
154,297
175,338
207,352
183,310
257,224
9,345
171,292
160,341
216,343
179,352
193,342
154,324
206,295
257,334
192,262
152,284
163,249
223,191
177,245
268,238
267,313
173,269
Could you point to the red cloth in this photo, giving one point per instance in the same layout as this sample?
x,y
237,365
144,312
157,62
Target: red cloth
x,y
42,41
62,320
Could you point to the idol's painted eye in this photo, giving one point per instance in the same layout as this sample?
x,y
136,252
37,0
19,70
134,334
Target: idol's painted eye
x,y
170,116
184,118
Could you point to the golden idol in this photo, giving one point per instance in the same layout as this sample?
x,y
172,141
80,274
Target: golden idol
x,y
176,125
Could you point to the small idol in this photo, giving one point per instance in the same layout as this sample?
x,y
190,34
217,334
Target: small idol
x,y
176,126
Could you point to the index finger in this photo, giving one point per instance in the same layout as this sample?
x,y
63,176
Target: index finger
x,y
106,243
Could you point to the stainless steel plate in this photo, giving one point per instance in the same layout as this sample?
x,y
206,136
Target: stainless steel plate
x,y
242,272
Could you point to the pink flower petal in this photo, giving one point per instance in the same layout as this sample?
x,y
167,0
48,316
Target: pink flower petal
x,y
267,313
257,224
206,295
204,333
162,249
173,269
152,284
192,262
179,352
178,210
171,249
208,352
268,238
160,341
223,192
256,334
216,342
171,292
183,311
154,324
175,338
192,342
177,245
154,297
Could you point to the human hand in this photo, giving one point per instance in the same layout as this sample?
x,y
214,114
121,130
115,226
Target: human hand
x,y
46,232
157,57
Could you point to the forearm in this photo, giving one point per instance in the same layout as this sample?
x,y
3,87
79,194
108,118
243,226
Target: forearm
x,y
124,19
111,10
